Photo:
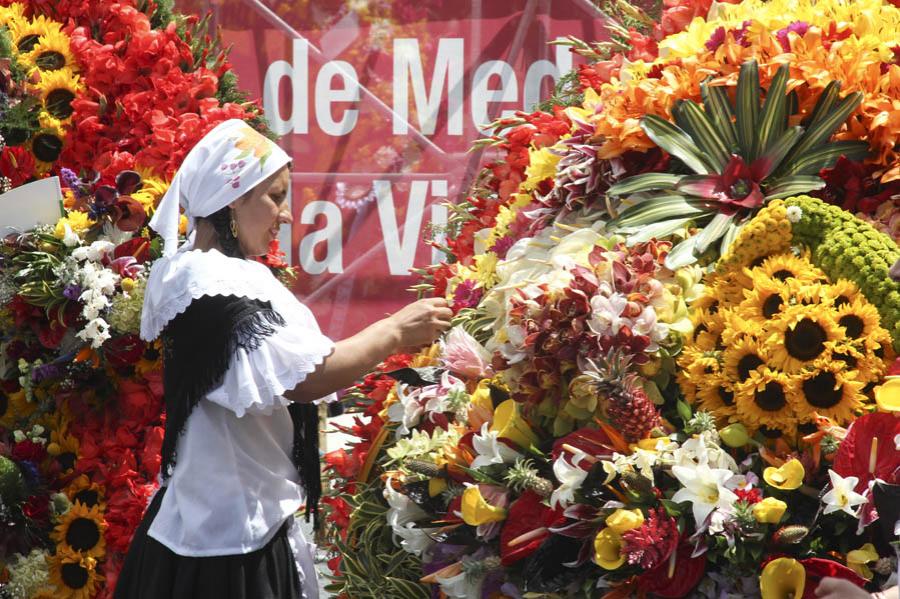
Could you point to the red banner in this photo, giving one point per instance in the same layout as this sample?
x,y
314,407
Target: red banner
x,y
378,102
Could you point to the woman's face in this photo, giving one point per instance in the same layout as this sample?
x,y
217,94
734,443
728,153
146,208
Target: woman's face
x,y
260,213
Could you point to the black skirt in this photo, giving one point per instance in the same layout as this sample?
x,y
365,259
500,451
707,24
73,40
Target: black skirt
x,y
153,571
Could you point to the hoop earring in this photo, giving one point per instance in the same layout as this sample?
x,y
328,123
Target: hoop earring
x,y
233,227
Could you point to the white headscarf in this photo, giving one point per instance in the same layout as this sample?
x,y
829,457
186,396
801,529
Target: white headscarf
x,y
228,162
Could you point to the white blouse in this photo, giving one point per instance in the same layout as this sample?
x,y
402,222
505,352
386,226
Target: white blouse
x,y
234,483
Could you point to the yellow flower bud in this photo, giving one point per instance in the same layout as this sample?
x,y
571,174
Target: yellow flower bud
x,y
622,521
858,558
769,510
127,284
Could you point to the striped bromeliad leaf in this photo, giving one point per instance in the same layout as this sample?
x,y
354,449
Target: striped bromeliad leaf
x,y
742,155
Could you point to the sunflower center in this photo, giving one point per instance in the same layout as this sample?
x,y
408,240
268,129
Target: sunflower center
x,y
853,324
27,43
50,61
726,396
46,147
770,433
74,576
66,460
772,305
88,497
59,103
806,341
771,398
748,364
879,351
714,307
820,390
758,261
807,428
841,300
847,359
783,274
83,534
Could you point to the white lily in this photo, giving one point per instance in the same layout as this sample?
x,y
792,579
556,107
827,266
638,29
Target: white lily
x,y
407,411
490,449
705,489
570,476
842,496
401,516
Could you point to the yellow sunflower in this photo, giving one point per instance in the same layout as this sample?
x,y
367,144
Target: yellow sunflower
x,y
787,266
57,90
80,530
879,345
51,53
152,190
151,360
742,358
764,402
74,576
841,292
708,331
63,448
764,300
46,145
12,14
82,490
827,392
858,317
799,336
716,395
14,408
738,328
27,33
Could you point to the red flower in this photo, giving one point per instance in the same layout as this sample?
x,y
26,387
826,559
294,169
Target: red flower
x,y
750,496
854,456
527,514
37,507
346,464
124,350
29,451
664,581
653,542
642,47
818,568
137,247
16,164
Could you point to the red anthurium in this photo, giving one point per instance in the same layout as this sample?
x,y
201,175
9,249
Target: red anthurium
x,y
137,247
526,527
818,568
868,450
676,579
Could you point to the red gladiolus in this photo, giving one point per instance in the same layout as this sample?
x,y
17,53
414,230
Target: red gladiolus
x,y
16,164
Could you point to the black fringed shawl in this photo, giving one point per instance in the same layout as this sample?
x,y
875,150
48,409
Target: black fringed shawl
x,y
199,345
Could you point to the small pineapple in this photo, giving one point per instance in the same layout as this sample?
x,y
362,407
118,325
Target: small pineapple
x,y
522,476
627,406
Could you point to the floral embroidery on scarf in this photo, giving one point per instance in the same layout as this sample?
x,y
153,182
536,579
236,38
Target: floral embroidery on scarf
x,y
248,142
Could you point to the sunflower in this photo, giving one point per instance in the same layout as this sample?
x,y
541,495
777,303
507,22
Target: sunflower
x,y
858,317
852,355
764,300
783,267
738,328
14,408
152,190
879,345
764,401
799,336
46,145
27,33
151,360
708,331
74,576
63,447
80,530
13,12
716,395
89,494
828,392
51,53
57,90
841,292
742,358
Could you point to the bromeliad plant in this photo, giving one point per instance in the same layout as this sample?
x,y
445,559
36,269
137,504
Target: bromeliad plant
x,y
742,156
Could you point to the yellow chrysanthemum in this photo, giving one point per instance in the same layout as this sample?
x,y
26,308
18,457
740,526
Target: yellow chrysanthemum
x,y
78,222
830,392
764,402
51,53
85,492
14,408
74,576
799,336
743,358
80,530
57,89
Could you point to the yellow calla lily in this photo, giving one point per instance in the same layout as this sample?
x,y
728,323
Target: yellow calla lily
x,y
436,486
476,511
787,477
608,549
858,558
624,520
509,424
782,578
769,510
887,395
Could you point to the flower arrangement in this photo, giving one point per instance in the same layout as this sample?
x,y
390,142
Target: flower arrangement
x,y
670,373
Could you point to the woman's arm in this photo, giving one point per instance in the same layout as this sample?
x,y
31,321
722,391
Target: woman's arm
x,y
415,325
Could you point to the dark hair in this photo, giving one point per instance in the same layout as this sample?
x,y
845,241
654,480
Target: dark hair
x,y
221,222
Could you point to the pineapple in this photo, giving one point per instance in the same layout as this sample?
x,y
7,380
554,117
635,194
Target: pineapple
x,y
627,406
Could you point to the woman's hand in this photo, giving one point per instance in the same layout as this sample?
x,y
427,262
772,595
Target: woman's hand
x,y
421,322
838,588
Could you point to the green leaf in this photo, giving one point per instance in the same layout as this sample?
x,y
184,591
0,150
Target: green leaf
x,y
813,161
718,109
691,117
657,209
824,104
658,230
713,231
773,119
684,410
645,182
747,112
407,588
772,158
676,142
682,254
819,131
794,185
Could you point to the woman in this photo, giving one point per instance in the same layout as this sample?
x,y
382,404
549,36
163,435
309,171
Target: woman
x,y
243,362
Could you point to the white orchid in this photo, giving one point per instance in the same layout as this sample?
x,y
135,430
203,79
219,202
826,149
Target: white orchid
x,y
570,476
606,313
705,489
842,496
407,411
490,449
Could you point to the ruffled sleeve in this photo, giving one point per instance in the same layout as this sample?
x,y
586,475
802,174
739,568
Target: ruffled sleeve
x,y
256,379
